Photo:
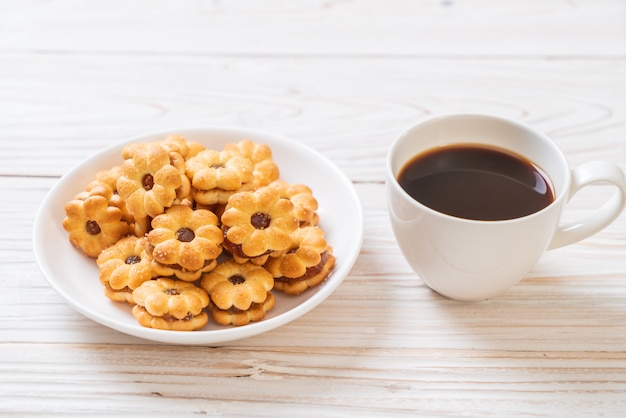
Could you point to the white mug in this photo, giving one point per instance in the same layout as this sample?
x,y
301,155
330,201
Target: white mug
x,y
473,260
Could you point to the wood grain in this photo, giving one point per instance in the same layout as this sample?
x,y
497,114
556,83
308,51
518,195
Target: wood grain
x,y
318,27
63,114
346,78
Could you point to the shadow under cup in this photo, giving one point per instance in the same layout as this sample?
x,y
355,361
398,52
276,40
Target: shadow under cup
x,y
468,259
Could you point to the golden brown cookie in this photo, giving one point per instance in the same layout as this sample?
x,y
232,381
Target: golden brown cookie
x,y
105,184
195,148
236,288
178,161
123,267
140,227
313,276
233,316
304,203
107,178
151,180
306,264
172,143
216,175
257,224
94,190
98,186
93,225
165,303
232,284
265,169
176,143
185,242
130,149
307,245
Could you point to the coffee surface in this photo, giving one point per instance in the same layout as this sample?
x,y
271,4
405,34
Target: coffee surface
x,y
476,182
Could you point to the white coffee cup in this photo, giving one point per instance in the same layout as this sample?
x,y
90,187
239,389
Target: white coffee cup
x,y
472,260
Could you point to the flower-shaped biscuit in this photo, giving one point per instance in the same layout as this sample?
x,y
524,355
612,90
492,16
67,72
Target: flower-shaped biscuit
x,y
182,146
258,223
313,276
130,149
166,303
178,161
306,264
185,242
149,181
93,224
305,251
238,293
265,169
215,175
171,143
123,267
107,178
256,312
233,285
304,203
176,143
105,184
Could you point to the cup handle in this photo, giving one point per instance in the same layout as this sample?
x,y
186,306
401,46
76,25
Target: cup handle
x,y
595,172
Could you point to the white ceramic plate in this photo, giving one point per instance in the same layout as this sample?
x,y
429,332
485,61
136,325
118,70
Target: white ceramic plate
x,y
75,276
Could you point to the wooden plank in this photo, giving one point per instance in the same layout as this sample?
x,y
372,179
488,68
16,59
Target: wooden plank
x,y
322,28
134,379
53,112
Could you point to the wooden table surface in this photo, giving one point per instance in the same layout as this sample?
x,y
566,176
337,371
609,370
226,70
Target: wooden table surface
x,y
345,78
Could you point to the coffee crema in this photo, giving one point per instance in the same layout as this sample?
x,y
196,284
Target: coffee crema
x,y
476,182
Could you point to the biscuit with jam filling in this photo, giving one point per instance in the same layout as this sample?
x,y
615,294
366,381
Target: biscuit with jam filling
x,y
216,175
93,225
265,169
107,178
304,203
176,143
306,264
313,277
238,292
123,267
257,224
152,180
237,317
170,304
172,143
185,242
105,184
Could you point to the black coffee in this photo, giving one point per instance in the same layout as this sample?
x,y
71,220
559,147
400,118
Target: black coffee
x,y
476,182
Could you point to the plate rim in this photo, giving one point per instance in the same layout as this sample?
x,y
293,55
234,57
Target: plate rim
x,y
215,336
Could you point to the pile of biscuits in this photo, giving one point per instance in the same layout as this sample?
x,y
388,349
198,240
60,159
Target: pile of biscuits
x,y
182,232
